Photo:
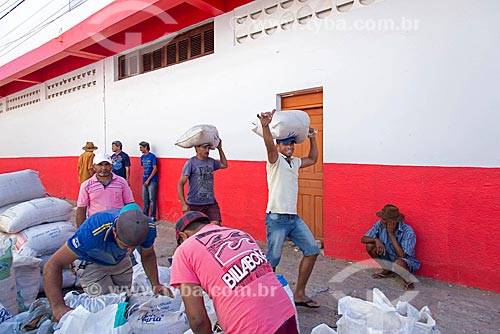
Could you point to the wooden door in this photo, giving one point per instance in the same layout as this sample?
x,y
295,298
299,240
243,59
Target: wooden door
x,y
310,199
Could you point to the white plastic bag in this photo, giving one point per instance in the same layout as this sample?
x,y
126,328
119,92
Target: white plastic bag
x,y
364,317
20,186
110,320
198,135
323,329
43,239
34,212
287,123
424,324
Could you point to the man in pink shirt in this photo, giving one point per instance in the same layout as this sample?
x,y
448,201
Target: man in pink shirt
x,y
231,268
103,191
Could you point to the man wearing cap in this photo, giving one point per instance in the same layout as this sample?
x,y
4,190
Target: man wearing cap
x,y
199,170
103,191
99,252
282,220
121,161
391,243
85,166
231,268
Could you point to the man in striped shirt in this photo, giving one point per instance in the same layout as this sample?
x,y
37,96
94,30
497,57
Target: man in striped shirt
x,y
103,191
391,243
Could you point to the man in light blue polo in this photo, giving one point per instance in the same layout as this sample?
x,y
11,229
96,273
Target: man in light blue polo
x,y
391,242
99,251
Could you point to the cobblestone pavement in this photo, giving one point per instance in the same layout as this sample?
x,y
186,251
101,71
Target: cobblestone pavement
x,y
456,309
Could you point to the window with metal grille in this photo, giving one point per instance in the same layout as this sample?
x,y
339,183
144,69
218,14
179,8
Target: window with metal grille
x,y
194,43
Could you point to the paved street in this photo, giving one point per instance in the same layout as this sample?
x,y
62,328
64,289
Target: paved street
x,y
456,309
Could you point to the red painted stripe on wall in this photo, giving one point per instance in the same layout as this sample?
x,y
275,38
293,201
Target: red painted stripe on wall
x,y
454,211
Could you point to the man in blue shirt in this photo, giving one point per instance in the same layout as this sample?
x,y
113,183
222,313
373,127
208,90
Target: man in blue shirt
x,y
391,243
99,252
149,179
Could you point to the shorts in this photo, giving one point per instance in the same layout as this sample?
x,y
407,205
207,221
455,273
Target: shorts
x,y
211,210
281,226
288,327
98,280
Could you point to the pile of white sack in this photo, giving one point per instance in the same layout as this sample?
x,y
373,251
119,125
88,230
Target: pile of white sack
x,y
32,227
380,316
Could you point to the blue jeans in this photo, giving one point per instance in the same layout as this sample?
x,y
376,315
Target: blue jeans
x,y
280,226
149,197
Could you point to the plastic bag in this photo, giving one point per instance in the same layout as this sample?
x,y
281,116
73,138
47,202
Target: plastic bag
x,y
424,324
110,320
323,329
364,317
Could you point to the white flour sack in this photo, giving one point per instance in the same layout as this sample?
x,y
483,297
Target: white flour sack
x,y
8,289
285,124
20,186
150,321
43,239
34,212
27,270
198,135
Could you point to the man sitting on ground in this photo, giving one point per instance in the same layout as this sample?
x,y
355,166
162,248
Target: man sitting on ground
x,y
391,243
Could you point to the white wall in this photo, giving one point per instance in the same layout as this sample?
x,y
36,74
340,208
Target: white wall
x,y
424,96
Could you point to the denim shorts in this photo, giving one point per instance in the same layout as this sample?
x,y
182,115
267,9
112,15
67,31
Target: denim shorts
x,y
280,226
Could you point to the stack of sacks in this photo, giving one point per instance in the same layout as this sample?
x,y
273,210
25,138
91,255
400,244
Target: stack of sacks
x,y
37,225
199,135
286,124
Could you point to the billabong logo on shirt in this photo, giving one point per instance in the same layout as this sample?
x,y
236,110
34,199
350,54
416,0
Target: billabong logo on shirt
x,y
75,242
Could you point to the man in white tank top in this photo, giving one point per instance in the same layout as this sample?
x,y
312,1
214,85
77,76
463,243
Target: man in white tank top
x,y
282,220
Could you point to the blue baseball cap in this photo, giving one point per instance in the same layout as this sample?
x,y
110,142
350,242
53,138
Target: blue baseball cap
x,y
286,140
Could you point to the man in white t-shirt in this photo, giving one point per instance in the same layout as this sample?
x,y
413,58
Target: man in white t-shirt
x,y
282,220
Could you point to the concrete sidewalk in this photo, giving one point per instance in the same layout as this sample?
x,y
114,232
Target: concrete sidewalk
x,y
456,309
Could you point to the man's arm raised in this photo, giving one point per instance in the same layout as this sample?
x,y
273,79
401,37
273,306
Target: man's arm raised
x,y
265,119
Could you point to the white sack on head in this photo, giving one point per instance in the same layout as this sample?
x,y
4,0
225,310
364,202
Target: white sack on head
x,y
44,239
20,186
199,135
34,212
285,124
